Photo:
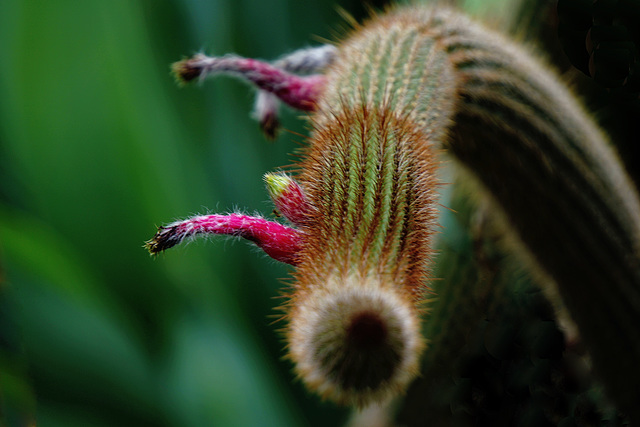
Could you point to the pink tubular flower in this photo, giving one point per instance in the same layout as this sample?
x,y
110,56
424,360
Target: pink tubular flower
x,y
297,91
278,241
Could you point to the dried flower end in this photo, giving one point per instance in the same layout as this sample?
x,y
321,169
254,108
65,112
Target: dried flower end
x,y
187,70
165,238
270,125
356,343
266,112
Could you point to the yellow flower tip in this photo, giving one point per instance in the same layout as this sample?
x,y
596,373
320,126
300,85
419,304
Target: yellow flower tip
x,y
277,184
152,247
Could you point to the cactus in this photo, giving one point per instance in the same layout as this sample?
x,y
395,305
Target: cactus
x,y
403,92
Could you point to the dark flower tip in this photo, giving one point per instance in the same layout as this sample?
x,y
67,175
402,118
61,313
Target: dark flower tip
x,y
270,126
186,70
165,238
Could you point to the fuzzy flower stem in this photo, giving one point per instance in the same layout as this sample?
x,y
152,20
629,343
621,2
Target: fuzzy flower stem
x,y
298,92
278,241
302,61
308,60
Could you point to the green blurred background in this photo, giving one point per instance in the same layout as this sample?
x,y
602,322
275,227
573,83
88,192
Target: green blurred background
x,y
98,146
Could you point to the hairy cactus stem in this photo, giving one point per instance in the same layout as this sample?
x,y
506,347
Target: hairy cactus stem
x,y
397,91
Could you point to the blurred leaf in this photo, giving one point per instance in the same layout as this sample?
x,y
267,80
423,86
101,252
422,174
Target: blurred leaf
x,y
209,361
28,245
82,354
98,146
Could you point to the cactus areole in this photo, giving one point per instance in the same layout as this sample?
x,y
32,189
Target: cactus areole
x,y
386,103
